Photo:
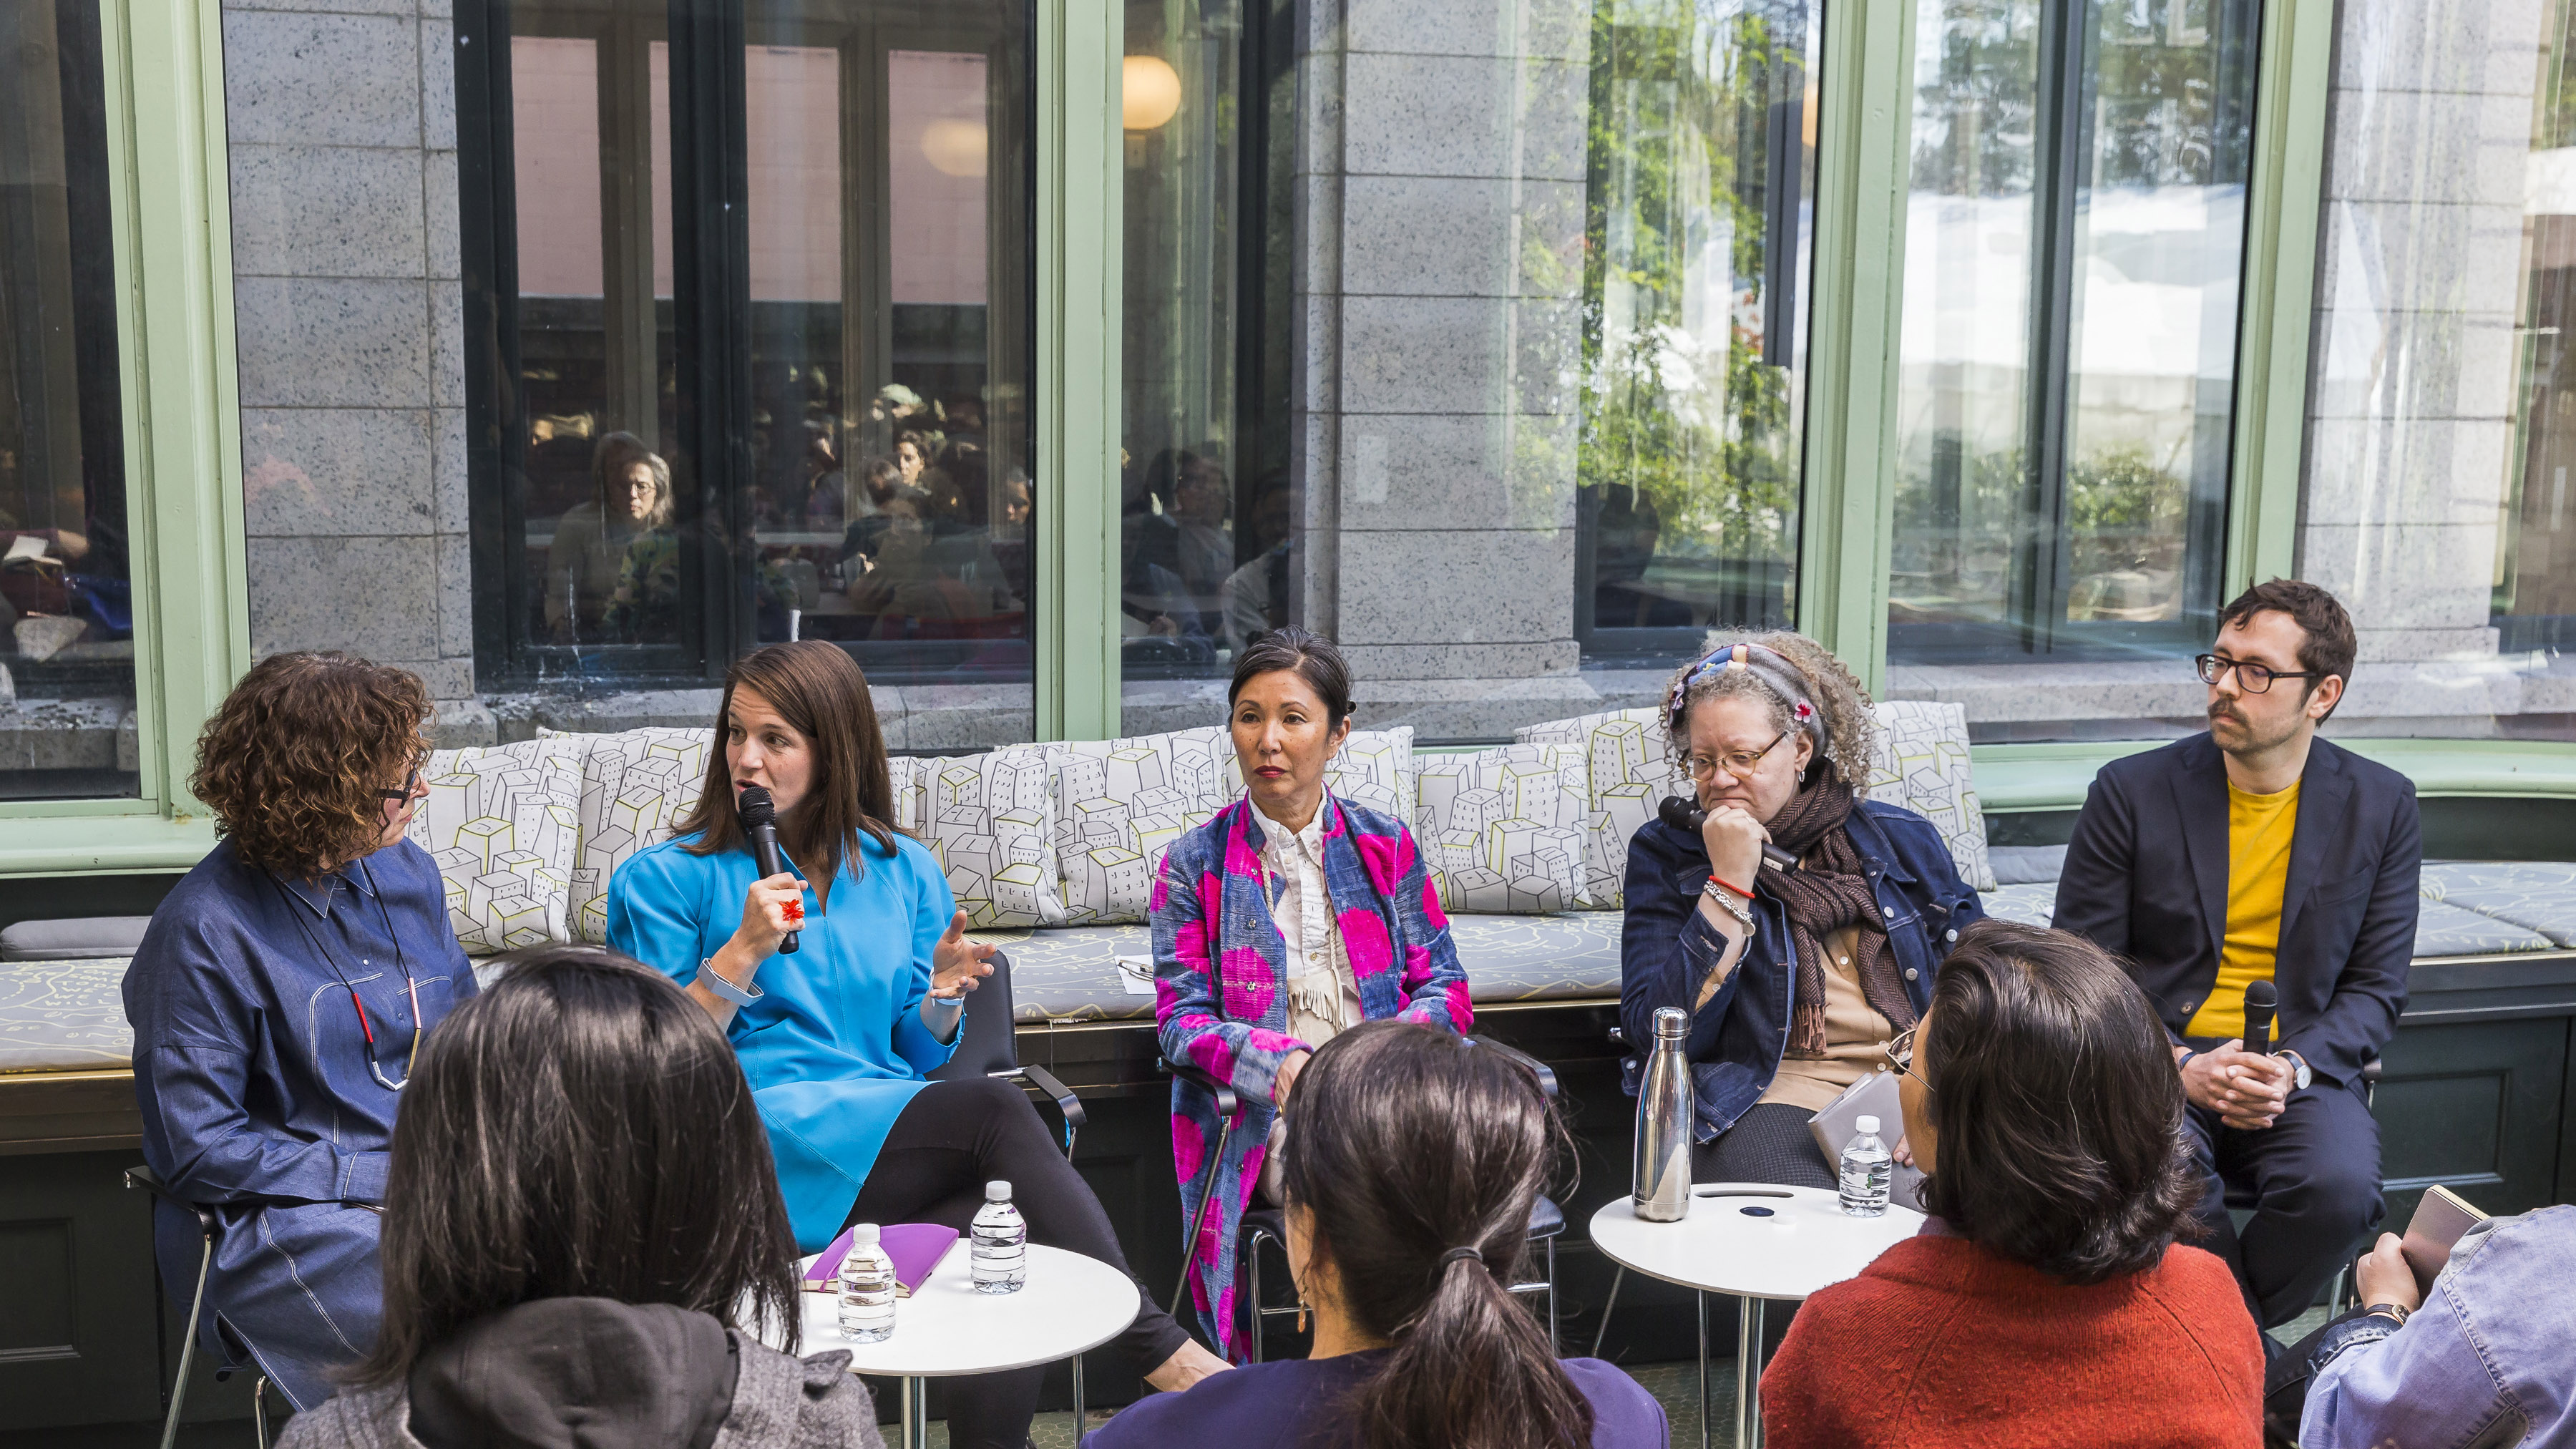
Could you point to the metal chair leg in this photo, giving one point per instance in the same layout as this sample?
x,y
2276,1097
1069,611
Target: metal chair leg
x,y
1551,1297
259,1410
187,1347
1607,1304
1198,1220
1254,1265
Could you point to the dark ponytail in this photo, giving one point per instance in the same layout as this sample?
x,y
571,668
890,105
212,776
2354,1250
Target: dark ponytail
x,y
1408,1145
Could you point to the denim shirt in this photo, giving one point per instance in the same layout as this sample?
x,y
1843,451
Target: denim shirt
x,y
2484,1363
1667,948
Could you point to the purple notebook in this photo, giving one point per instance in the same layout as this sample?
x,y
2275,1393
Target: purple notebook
x,y
916,1249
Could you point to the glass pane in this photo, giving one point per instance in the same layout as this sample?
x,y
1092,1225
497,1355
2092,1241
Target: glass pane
x,y
2074,237
2443,411
803,416
1488,363
66,608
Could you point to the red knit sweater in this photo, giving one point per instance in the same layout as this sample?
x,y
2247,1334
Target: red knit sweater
x,y
1942,1342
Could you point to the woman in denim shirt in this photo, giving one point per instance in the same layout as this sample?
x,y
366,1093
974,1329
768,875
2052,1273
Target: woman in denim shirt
x,y
1796,981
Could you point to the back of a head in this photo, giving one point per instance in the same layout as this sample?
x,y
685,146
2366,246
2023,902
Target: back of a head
x,y
2056,1108
536,1155
1409,1143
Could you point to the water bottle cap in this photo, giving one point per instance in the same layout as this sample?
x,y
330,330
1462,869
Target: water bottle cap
x,y
1868,1125
1671,1021
997,1191
865,1235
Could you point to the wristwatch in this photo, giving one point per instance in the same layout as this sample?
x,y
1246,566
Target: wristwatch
x,y
715,981
2397,1313
2300,1062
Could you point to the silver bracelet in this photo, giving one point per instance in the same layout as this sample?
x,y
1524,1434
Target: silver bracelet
x,y
1733,904
715,981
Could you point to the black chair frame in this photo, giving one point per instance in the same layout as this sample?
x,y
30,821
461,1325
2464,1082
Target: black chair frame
x,y
175,1397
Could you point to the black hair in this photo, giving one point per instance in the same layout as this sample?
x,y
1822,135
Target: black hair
x,y
1411,1142
1310,656
580,1130
2055,1106
2325,631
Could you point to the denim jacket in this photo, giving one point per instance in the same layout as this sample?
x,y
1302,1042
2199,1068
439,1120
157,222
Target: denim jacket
x,y
2483,1364
1667,948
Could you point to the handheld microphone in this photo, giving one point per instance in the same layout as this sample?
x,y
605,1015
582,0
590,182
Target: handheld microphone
x,y
2261,998
760,822
1682,814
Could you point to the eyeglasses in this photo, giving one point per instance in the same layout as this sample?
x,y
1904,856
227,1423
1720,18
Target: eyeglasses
x,y
2252,678
1739,763
1900,1056
410,787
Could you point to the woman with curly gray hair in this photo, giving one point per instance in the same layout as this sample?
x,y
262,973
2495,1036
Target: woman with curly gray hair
x,y
1800,977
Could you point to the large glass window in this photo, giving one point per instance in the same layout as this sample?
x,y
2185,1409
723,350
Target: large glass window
x,y
801,411
2074,233
2443,410
66,608
1478,347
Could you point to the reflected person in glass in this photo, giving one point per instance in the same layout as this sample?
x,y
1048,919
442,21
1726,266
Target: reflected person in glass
x,y
1795,980
630,496
1289,917
279,999
839,1039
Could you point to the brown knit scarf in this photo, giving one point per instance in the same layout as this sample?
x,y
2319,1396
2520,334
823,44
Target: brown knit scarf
x,y
1828,892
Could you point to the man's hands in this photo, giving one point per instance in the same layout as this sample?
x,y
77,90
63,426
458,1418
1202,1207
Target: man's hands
x,y
958,965
1734,841
2247,1091
2384,1276
1286,1080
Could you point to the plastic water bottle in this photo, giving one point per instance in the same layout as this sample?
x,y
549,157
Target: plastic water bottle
x,y
867,1288
1001,1247
1867,1167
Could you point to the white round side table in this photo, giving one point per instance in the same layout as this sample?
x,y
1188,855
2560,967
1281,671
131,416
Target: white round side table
x,y
1758,1241
1069,1305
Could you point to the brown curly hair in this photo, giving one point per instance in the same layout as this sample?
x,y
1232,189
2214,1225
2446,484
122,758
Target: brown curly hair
x,y
293,759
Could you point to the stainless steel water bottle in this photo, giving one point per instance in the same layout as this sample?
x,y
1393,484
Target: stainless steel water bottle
x,y
1663,1192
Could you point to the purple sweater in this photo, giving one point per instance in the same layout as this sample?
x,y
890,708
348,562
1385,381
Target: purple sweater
x,y
1290,1403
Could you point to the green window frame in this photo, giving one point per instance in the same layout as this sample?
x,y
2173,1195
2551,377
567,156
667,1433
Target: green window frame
x,y
169,178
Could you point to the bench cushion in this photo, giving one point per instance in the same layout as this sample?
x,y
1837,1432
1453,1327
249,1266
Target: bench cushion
x,y
2442,930
63,1016
2535,895
82,938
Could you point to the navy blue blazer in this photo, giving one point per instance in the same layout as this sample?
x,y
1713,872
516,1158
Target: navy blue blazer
x,y
2146,880
1667,948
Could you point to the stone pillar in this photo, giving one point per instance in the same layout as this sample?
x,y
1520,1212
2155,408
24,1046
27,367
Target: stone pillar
x,y
348,320
2411,411
1439,270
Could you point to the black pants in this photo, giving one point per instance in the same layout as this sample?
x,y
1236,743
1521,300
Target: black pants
x,y
1767,1144
950,1140
2314,1180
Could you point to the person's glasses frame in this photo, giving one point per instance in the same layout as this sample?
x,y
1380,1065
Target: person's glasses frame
x,y
1900,1056
1739,763
410,788
2250,677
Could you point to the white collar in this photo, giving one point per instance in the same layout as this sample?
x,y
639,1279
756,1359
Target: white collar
x,y
1311,838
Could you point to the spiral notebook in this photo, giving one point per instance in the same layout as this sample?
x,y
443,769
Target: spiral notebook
x,y
916,1249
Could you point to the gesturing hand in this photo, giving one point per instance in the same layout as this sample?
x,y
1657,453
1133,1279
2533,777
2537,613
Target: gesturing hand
x,y
958,965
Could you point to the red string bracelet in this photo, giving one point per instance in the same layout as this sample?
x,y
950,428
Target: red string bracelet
x,y
1737,889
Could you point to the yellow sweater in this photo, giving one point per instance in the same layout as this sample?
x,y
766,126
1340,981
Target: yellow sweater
x,y
2259,828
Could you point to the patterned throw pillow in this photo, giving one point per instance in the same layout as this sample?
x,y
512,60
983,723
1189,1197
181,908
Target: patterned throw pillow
x,y
990,821
1922,764
502,823
635,785
1629,770
1505,831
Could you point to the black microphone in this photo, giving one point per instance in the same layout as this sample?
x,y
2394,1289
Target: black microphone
x,y
1682,814
2261,998
760,822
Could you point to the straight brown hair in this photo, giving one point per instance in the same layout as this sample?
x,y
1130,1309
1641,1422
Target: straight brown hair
x,y
819,691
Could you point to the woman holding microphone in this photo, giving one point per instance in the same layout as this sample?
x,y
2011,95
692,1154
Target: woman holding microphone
x,y
837,1039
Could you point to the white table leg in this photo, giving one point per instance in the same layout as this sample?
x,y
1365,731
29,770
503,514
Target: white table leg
x,y
1748,1376
1701,1299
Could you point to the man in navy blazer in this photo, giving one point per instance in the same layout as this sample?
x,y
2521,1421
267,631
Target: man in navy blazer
x,y
2257,851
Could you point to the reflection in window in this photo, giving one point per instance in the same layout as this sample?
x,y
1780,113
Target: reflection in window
x,y
2074,235
1702,154
66,607
803,416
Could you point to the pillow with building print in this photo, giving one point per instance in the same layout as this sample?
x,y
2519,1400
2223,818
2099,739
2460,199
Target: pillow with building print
x,y
503,824
990,821
635,785
1628,770
1504,830
1921,762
